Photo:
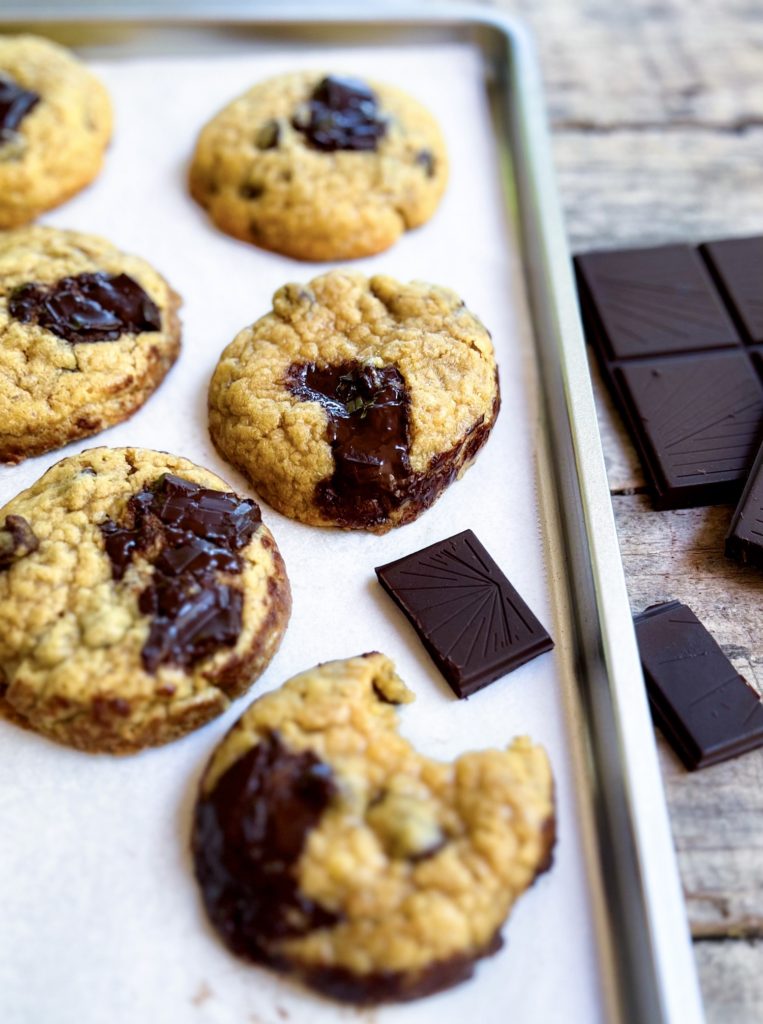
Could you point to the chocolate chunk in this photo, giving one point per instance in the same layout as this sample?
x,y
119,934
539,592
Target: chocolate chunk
x,y
744,540
369,434
706,710
342,113
425,158
690,390
15,103
88,307
697,423
471,620
737,266
17,539
189,533
248,834
269,135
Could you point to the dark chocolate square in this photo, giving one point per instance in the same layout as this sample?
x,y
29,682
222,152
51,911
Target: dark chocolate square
x,y
706,710
647,302
472,621
697,422
737,266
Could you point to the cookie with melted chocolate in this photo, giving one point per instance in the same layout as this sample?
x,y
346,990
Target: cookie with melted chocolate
x,y
320,167
88,333
327,847
357,401
55,124
139,595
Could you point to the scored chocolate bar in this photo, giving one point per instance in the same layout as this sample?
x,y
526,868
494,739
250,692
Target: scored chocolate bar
x,y
675,330
706,710
744,541
472,621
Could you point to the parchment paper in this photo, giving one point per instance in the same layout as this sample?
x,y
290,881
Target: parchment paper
x,y
100,918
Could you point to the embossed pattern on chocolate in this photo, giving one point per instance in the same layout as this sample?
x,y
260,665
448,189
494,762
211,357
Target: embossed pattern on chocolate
x,y
706,710
15,103
471,620
88,307
190,534
673,328
744,541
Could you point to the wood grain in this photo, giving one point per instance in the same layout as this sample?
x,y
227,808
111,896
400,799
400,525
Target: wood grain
x,y
657,115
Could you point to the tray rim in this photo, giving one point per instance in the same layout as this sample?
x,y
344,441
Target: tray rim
x,y
658,970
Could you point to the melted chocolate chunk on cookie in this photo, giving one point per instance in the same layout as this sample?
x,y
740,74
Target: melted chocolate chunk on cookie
x,y
17,539
426,160
88,307
15,104
369,434
342,114
189,533
248,835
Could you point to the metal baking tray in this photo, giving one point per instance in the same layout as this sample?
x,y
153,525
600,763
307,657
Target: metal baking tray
x,y
645,958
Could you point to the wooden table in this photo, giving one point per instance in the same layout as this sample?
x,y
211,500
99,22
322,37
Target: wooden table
x,y
657,115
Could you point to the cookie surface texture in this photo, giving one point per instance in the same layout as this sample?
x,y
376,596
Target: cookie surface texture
x,y
319,167
55,123
138,597
356,401
326,846
87,333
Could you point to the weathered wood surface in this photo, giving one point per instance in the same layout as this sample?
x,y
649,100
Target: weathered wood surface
x,y
657,116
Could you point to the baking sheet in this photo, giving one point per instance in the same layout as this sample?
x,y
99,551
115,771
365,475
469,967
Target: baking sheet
x,y
100,913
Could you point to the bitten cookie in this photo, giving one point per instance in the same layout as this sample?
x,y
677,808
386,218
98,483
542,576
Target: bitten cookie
x,y
138,596
320,167
87,333
55,123
327,847
356,401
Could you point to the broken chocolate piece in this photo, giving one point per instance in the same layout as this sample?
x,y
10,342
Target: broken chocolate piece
x,y
690,390
471,620
706,710
249,832
342,113
189,533
737,267
744,540
15,103
87,308
17,539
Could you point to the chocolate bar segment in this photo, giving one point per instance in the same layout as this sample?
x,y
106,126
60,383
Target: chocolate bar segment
x,y
646,302
706,710
744,541
737,267
696,424
471,620
687,381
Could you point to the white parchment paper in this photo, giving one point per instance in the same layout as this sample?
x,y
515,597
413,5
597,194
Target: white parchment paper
x,y
100,919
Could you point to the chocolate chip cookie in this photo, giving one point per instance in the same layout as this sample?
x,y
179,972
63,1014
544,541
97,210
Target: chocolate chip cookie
x,y
87,333
138,596
320,167
55,123
356,401
327,847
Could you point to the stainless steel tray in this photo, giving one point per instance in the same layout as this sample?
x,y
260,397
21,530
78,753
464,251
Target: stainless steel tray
x,y
646,958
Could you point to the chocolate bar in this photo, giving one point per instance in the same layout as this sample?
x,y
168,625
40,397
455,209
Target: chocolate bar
x,y
706,710
744,541
675,330
471,620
